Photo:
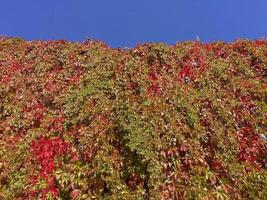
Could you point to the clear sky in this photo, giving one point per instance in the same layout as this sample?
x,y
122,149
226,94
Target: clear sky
x,y
125,23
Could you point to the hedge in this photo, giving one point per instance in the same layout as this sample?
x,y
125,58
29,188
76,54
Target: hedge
x,y
81,120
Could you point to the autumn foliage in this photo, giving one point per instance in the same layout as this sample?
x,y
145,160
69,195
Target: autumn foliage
x,y
85,121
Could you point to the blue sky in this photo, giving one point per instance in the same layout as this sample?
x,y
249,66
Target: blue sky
x,y
125,23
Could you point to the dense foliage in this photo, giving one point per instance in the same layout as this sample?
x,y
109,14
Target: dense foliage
x,y
85,121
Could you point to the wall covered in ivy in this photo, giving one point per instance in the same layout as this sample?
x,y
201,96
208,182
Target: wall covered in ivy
x,y
85,121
